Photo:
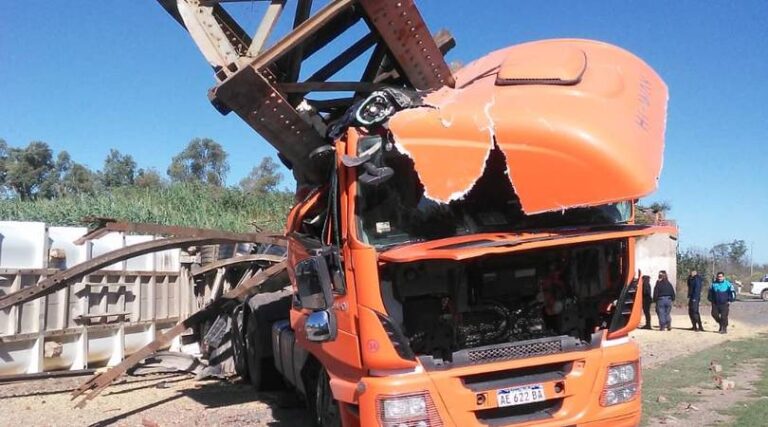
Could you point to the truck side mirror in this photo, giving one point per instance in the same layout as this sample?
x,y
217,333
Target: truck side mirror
x,y
321,326
314,283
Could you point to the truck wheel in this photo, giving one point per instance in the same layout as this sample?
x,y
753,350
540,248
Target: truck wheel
x,y
322,405
253,351
238,343
764,295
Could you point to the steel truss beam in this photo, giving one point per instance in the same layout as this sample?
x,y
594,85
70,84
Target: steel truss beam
x,y
262,85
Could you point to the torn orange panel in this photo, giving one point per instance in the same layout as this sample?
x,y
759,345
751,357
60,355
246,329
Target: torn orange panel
x,y
477,245
596,141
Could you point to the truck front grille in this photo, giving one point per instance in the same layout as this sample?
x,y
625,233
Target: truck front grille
x,y
516,350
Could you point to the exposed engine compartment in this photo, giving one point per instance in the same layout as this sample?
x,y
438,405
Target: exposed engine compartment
x,y
444,306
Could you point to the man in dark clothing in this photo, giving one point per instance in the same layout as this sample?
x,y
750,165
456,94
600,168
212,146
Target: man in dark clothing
x,y
664,296
647,300
694,295
721,294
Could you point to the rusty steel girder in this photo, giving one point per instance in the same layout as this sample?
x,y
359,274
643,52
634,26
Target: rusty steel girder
x,y
262,86
64,278
107,225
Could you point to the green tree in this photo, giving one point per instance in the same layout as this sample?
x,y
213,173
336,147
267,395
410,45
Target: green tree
x,y
149,178
263,178
737,252
27,169
692,259
119,170
80,180
203,161
3,160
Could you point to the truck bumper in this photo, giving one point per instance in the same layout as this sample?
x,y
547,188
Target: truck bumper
x,y
468,396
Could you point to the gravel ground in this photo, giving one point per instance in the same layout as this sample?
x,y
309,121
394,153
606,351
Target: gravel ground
x,y
176,399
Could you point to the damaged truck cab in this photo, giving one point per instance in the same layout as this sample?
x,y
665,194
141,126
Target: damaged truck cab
x,y
471,260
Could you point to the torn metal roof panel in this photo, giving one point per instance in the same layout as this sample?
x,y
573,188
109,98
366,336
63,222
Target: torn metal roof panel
x,y
590,136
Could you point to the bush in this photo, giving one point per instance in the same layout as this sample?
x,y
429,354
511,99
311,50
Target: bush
x,y
191,205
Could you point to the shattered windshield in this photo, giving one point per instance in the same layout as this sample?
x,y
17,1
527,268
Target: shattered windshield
x,y
396,211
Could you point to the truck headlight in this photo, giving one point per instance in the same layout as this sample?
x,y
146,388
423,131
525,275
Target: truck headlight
x,y
411,410
621,384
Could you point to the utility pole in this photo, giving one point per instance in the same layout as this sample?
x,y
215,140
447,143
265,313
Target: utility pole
x,y
751,261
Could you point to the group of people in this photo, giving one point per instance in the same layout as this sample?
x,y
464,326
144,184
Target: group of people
x,y
721,294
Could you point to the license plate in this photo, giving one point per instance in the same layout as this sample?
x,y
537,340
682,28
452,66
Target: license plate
x,y
520,395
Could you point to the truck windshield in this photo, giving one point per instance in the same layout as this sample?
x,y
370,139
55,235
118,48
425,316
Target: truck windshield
x,y
397,212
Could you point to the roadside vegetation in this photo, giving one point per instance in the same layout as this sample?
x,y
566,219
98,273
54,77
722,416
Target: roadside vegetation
x,y
35,185
677,381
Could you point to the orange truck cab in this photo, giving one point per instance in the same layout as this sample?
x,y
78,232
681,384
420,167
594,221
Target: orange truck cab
x,y
472,259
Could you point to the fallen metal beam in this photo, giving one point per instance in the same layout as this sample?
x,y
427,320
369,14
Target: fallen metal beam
x,y
228,262
107,225
99,382
63,279
256,100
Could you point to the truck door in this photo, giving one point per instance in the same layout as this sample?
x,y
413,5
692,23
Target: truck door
x,y
316,268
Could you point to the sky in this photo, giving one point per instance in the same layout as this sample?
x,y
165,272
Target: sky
x,y
86,76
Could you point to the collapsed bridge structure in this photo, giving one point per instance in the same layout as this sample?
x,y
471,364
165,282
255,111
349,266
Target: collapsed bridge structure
x,y
71,301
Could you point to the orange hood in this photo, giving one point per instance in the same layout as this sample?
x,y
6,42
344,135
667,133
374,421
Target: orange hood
x,y
581,123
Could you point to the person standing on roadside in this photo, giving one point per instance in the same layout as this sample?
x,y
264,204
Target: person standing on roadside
x,y
664,296
721,295
647,300
694,297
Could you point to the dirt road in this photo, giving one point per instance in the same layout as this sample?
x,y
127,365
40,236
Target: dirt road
x,y
748,317
162,400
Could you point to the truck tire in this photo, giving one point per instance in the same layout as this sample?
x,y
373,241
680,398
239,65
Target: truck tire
x,y
263,310
764,295
323,407
239,355
253,351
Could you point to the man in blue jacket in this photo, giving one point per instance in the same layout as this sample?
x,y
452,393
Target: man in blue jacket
x,y
694,295
721,294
